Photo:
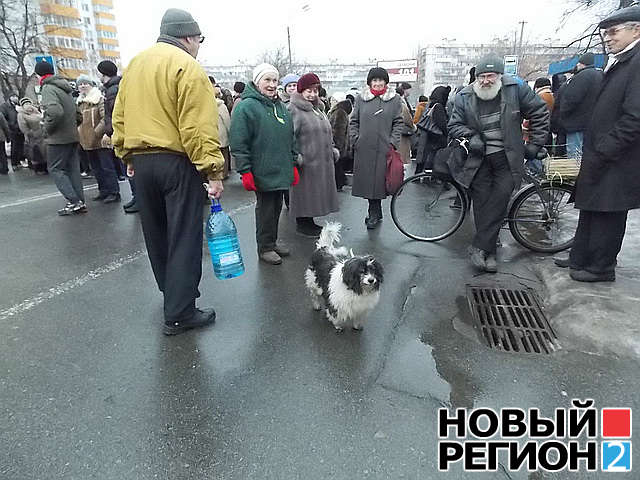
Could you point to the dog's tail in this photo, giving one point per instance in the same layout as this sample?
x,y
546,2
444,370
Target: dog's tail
x,y
329,236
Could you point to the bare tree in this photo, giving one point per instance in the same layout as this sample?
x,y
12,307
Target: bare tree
x,y
20,38
277,57
602,8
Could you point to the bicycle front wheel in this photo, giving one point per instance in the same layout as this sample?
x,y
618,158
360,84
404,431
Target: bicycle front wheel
x,y
428,207
542,219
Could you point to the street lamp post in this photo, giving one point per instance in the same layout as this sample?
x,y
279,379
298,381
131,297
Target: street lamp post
x,y
289,45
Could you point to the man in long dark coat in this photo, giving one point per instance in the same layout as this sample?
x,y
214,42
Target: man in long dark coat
x,y
608,185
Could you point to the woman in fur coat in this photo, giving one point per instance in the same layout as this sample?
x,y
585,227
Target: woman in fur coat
x,y
29,122
339,119
315,195
91,130
375,127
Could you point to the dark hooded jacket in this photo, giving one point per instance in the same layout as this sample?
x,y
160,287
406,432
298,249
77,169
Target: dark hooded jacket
x,y
428,142
609,179
110,94
339,118
579,98
517,103
10,114
59,112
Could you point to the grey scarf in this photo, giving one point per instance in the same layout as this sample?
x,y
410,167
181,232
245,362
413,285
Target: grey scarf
x,y
172,41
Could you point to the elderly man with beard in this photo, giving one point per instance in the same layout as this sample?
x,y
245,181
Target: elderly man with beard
x,y
489,114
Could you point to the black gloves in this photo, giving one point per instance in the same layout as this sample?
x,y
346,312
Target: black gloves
x,y
531,151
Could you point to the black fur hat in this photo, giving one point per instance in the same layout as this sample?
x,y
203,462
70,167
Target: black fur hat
x,y
377,72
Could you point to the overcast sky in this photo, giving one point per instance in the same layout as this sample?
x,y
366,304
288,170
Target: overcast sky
x,y
343,30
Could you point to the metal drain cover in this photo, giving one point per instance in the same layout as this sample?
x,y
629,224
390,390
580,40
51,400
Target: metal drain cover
x,y
511,320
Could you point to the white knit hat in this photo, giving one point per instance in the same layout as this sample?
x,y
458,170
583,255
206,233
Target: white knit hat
x,y
262,69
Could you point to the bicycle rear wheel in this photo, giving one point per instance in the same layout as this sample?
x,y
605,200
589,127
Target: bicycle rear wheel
x,y
428,207
543,220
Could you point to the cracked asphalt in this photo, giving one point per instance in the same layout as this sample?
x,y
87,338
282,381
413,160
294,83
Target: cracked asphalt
x,y
91,389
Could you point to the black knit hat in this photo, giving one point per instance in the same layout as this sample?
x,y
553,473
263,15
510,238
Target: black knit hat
x,y
238,87
108,68
587,59
179,24
629,14
44,68
377,72
490,64
541,82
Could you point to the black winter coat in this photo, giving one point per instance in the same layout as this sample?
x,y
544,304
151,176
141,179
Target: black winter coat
x,y
609,179
517,102
110,94
428,142
578,99
10,114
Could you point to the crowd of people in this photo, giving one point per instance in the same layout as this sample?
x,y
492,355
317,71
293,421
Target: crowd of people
x,y
174,127
42,136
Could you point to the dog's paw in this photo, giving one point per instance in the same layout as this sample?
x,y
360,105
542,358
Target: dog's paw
x,y
339,330
357,328
317,307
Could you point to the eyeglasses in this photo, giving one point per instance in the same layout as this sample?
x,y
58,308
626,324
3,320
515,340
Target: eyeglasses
x,y
487,77
201,39
613,31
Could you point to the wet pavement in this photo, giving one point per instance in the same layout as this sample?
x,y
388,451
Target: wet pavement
x,y
91,389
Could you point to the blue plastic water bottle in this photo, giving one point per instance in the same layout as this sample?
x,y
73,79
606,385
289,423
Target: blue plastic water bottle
x,y
222,237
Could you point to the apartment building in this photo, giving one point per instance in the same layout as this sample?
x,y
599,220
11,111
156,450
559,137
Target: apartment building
x,y
448,63
80,34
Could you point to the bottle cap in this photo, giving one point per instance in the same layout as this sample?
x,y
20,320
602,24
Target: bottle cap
x,y
215,206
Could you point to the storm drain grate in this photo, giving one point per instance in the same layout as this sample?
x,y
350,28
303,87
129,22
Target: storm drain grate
x,y
511,320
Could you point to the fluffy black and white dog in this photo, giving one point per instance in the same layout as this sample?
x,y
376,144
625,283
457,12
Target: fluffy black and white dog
x,y
348,284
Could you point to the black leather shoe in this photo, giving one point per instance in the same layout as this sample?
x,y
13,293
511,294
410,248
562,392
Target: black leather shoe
x,y
373,221
114,197
201,318
562,262
133,208
584,276
130,203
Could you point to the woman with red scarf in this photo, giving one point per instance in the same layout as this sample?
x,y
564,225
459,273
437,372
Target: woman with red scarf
x,y
375,127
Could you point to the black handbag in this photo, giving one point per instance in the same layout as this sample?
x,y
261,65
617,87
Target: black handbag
x,y
450,160
427,124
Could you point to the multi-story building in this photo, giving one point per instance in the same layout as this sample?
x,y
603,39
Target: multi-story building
x,y
449,63
80,34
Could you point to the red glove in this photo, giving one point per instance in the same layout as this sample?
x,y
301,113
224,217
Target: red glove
x,y
248,182
296,176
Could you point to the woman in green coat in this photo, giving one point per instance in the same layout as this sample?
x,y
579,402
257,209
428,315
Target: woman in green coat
x,y
261,141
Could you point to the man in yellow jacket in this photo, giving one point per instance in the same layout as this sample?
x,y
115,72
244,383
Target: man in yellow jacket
x,y
165,129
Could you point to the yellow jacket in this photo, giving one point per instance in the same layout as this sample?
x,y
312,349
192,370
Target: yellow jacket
x,y
166,102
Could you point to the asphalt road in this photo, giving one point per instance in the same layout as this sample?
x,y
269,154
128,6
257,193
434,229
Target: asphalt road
x,y
91,389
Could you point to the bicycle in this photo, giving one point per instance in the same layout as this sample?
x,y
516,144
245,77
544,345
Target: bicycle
x,y
431,206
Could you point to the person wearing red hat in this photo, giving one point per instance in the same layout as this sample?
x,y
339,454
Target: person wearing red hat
x,y
315,195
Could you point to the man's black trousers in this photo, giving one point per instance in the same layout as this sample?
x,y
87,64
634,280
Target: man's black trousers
x,y
598,241
170,196
490,192
17,148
